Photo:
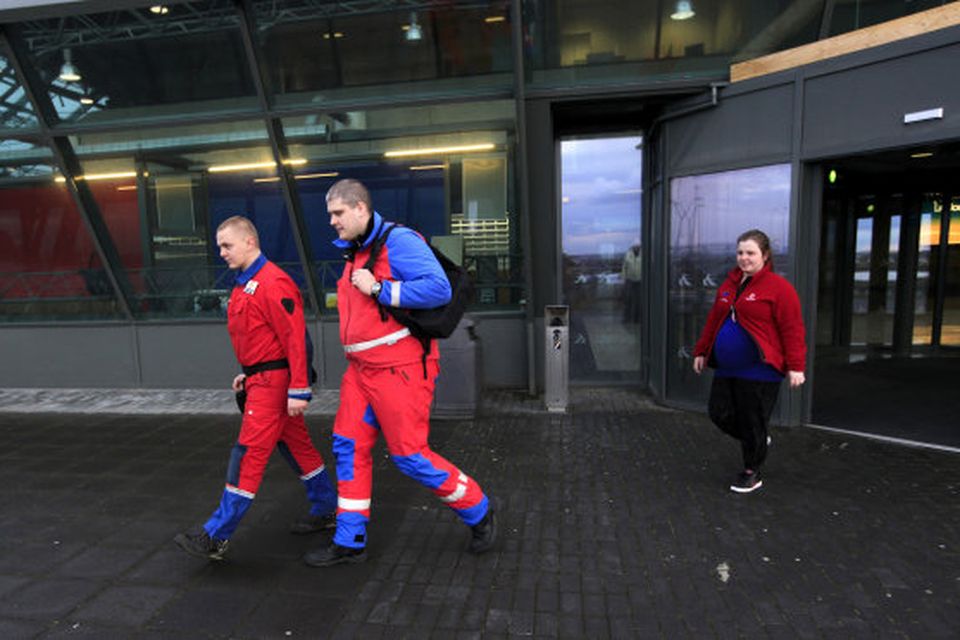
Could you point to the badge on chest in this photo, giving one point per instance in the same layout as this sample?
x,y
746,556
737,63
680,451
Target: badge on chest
x,y
251,287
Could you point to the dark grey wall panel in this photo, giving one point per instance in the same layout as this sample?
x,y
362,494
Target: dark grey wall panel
x,y
862,109
334,362
743,129
501,348
68,356
187,356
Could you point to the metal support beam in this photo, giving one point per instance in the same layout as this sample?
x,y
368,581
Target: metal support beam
x,y
519,84
278,146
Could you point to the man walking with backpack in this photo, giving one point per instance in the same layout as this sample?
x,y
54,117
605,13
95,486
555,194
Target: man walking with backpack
x,y
389,383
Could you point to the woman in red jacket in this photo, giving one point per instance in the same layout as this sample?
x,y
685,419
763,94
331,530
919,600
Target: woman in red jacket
x,y
753,338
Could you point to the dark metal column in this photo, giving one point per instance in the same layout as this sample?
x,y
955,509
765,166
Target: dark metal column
x,y
940,293
519,88
907,274
69,166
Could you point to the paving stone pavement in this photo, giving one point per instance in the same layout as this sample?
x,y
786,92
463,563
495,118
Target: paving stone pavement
x,y
615,522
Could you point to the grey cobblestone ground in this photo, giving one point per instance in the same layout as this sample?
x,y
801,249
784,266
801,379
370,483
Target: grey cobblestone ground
x,y
615,521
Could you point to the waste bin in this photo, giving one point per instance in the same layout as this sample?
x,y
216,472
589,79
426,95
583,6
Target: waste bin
x,y
556,325
457,387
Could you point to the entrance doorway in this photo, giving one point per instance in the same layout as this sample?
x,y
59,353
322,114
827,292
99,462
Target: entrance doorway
x,y
888,326
601,255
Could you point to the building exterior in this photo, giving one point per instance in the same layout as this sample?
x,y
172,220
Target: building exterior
x,y
538,141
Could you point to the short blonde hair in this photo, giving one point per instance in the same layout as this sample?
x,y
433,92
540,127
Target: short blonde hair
x,y
243,224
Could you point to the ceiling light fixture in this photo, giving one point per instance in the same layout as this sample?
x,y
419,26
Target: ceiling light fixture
x,y
159,9
492,19
432,151
245,166
302,176
922,154
427,167
68,72
683,11
86,100
413,30
102,176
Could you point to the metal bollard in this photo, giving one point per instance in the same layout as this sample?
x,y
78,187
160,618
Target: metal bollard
x,y
556,323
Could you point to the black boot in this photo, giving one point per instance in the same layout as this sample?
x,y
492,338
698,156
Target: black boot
x,y
335,554
484,533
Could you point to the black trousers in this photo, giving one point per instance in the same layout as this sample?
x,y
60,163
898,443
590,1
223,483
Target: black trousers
x,y
742,409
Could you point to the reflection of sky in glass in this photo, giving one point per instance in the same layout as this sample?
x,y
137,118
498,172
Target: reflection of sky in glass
x,y
864,235
601,195
709,211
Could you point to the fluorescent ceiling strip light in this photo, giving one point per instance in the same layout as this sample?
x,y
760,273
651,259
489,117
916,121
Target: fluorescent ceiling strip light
x,y
427,167
128,187
245,166
302,176
492,19
467,148
922,154
102,176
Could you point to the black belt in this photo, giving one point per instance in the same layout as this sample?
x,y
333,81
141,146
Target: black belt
x,y
267,365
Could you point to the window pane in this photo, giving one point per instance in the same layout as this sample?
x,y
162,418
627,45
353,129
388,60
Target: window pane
x,y
950,327
331,53
133,64
453,187
163,200
857,14
49,267
601,259
586,42
707,213
16,112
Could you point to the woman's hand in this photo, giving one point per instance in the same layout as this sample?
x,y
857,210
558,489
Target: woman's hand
x,y
698,364
796,378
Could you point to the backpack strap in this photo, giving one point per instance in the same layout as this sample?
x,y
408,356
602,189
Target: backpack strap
x,y
375,248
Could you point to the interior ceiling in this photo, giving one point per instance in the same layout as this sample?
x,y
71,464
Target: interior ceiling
x,y
946,156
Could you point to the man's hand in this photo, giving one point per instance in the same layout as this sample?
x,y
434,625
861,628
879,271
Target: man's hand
x,y
238,382
296,407
698,363
796,378
363,280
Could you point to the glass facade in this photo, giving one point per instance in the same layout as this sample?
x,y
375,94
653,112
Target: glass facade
x,y
323,54
162,198
584,42
187,60
49,265
16,112
707,214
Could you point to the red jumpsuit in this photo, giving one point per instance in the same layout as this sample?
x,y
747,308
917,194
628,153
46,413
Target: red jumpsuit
x,y
384,388
266,324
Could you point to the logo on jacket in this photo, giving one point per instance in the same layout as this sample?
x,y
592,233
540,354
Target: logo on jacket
x,y
752,297
251,287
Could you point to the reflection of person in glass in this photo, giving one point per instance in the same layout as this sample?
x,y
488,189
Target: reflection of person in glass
x,y
754,337
631,272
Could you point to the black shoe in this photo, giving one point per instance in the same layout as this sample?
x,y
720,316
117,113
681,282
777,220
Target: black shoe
x,y
335,554
311,523
746,482
484,533
201,545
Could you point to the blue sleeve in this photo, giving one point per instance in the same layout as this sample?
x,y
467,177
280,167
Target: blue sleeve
x,y
418,280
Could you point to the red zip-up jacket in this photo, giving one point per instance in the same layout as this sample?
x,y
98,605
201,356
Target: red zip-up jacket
x,y
769,311
265,321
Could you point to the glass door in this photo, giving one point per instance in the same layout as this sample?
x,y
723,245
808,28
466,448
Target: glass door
x,y
602,255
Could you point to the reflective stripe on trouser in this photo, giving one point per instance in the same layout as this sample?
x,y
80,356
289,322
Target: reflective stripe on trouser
x,y
320,491
396,401
265,426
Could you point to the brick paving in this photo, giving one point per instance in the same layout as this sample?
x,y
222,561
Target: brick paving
x,y
615,522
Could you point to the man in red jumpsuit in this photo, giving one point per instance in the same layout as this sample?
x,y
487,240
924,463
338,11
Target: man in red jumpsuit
x,y
266,325
388,385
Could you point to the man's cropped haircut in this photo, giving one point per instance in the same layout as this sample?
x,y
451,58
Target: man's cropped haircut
x,y
243,224
350,192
